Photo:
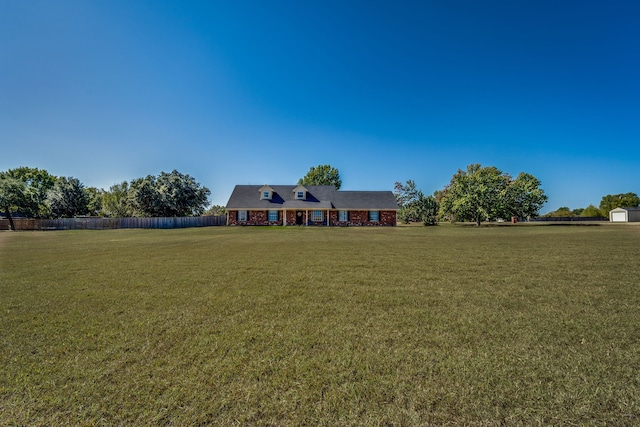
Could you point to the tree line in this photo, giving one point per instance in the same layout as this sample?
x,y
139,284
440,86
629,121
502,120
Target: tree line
x,y
486,193
607,204
479,193
35,193
476,194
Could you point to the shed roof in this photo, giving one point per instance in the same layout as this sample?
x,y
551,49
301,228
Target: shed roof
x,y
625,209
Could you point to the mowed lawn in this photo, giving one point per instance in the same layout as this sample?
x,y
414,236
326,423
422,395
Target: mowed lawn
x,y
524,324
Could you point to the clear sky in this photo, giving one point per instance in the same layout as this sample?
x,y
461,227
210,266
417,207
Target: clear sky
x,y
257,92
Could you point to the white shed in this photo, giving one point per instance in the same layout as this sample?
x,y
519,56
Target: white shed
x,y
625,215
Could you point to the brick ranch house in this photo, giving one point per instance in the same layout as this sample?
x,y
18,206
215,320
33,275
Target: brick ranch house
x,y
309,205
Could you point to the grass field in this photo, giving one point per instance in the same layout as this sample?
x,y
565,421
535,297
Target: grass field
x,y
444,325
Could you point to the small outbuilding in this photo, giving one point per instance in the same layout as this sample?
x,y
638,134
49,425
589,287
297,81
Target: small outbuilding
x,y
624,215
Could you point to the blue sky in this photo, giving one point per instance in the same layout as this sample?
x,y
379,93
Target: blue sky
x,y
255,92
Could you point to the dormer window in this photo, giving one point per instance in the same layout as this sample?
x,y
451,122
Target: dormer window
x,y
266,192
300,193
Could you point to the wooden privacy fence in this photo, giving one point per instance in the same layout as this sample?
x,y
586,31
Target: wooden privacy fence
x,y
113,223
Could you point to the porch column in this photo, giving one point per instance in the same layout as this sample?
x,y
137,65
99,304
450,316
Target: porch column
x,y
306,220
328,218
284,217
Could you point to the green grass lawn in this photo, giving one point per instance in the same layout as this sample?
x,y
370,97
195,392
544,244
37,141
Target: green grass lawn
x,y
524,324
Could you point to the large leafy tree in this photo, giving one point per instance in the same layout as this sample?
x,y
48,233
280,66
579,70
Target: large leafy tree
x,y
414,205
612,201
476,194
37,183
486,193
143,198
523,197
168,194
322,175
68,198
13,193
182,195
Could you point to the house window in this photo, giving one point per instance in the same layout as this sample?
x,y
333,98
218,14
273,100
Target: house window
x,y
242,215
374,216
300,195
316,216
273,215
266,195
343,216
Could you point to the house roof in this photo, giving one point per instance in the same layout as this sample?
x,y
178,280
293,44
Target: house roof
x,y
318,197
365,200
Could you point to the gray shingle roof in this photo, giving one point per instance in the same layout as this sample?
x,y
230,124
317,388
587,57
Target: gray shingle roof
x,y
318,197
365,200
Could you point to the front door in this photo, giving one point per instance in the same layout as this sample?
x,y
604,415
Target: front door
x,y
299,218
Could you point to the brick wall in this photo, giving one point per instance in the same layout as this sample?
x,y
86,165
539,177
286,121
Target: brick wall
x,y
361,218
254,218
333,219
356,218
291,217
388,218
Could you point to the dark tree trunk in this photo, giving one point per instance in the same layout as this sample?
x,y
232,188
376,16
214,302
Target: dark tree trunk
x,y
11,226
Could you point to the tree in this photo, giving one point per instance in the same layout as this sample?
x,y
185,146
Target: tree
x,y
612,201
404,194
414,205
561,212
486,193
94,206
37,182
182,195
476,194
322,175
13,193
524,198
168,194
143,198
115,202
68,198
591,211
